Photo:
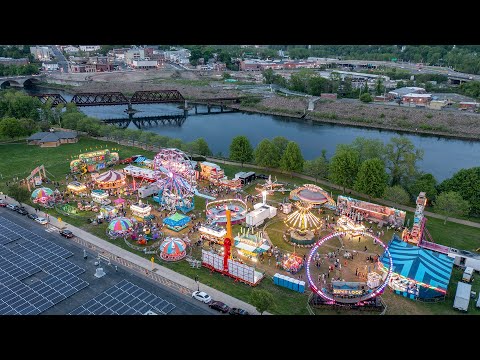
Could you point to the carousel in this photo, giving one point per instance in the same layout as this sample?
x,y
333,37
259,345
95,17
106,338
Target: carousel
x,y
110,180
119,227
42,195
172,249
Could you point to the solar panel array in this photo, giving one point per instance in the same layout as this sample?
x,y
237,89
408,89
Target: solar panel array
x,y
31,255
124,298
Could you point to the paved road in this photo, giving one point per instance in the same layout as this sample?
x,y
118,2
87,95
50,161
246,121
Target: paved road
x,y
184,305
62,62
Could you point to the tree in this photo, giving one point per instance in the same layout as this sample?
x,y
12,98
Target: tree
x,y
203,148
467,183
318,167
281,143
451,203
11,128
240,149
19,193
372,178
29,126
379,88
366,98
400,84
369,148
401,159
396,194
267,154
292,159
175,143
426,183
344,166
262,300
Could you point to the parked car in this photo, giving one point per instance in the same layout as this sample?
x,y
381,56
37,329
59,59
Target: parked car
x,y
66,233
32,216
238,311
201,296
219,306
41,220
12,207
3,203
22,211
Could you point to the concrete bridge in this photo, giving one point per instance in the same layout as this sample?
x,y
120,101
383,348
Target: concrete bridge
x,y
20,81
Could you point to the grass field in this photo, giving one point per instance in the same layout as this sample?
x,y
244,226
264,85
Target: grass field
x,y
20,159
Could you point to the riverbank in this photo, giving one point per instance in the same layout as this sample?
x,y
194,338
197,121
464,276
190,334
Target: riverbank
x,y
350,112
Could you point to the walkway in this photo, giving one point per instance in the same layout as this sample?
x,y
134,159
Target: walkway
x,y
156,272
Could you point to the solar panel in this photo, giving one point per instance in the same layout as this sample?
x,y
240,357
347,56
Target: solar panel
x,y
31,255
124,298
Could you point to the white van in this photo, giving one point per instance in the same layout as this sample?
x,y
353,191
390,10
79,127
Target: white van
x,y
468,274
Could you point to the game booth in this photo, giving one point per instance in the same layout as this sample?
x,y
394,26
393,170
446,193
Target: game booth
x,y
100,196
119,202
418,273
370,212
211,172
250,244
176,222
93,161
141,210
76,187
346,223
108,211
110,180
42,195
172,249
212,233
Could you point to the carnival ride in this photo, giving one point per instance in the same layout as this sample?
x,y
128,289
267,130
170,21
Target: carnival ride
x,y
119,227
110,180
342,292
302,224
416,234
313,195
271,186
35,178
216,211
94,161
175,178
172,249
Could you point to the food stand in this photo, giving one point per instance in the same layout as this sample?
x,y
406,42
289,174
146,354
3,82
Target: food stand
x,y
373,280
108,211
101,197
212,233
140,210
346,223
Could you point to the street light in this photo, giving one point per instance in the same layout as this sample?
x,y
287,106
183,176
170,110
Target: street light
x,y
198,283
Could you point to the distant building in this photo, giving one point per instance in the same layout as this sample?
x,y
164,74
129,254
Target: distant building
x,y
71,49
89,48
400,92
50,66
145,64
417,99
134,54
52,139
181,56
467,105
42,53
11,61
76,68
331,96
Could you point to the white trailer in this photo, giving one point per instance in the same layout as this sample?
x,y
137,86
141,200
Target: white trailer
x,y
465,258
462,297
148,190
258,216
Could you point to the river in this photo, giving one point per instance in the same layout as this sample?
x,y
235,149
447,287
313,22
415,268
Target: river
x,y
442,156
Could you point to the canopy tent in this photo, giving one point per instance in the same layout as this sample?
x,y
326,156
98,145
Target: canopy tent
x,y
140,159
118,201
172,249
176,222
430,271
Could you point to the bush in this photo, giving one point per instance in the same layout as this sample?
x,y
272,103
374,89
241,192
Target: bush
x,y
366,98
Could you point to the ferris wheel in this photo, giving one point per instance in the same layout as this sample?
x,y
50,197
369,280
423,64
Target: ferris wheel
x,y
175,179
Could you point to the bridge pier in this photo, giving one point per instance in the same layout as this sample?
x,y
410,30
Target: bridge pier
x,y
208,108
196,110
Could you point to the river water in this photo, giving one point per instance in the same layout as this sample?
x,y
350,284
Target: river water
x,y
442,156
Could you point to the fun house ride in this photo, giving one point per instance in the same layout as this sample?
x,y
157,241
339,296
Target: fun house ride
x,y
175,178
93,161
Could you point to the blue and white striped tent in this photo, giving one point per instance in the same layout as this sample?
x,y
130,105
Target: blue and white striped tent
x,y
431,270
140,159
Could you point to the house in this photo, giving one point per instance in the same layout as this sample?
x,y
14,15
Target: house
x,y
50,66
52,138
89,48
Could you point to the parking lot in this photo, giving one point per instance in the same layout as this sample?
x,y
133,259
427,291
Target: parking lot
x,y
66,279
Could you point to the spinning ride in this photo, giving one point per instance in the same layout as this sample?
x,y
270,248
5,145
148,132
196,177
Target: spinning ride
x,y
173,249
342,292
217,211
302,225
42,195
313,195
175,178
119,227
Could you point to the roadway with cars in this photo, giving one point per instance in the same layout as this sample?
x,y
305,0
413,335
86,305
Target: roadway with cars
x,y
62,61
